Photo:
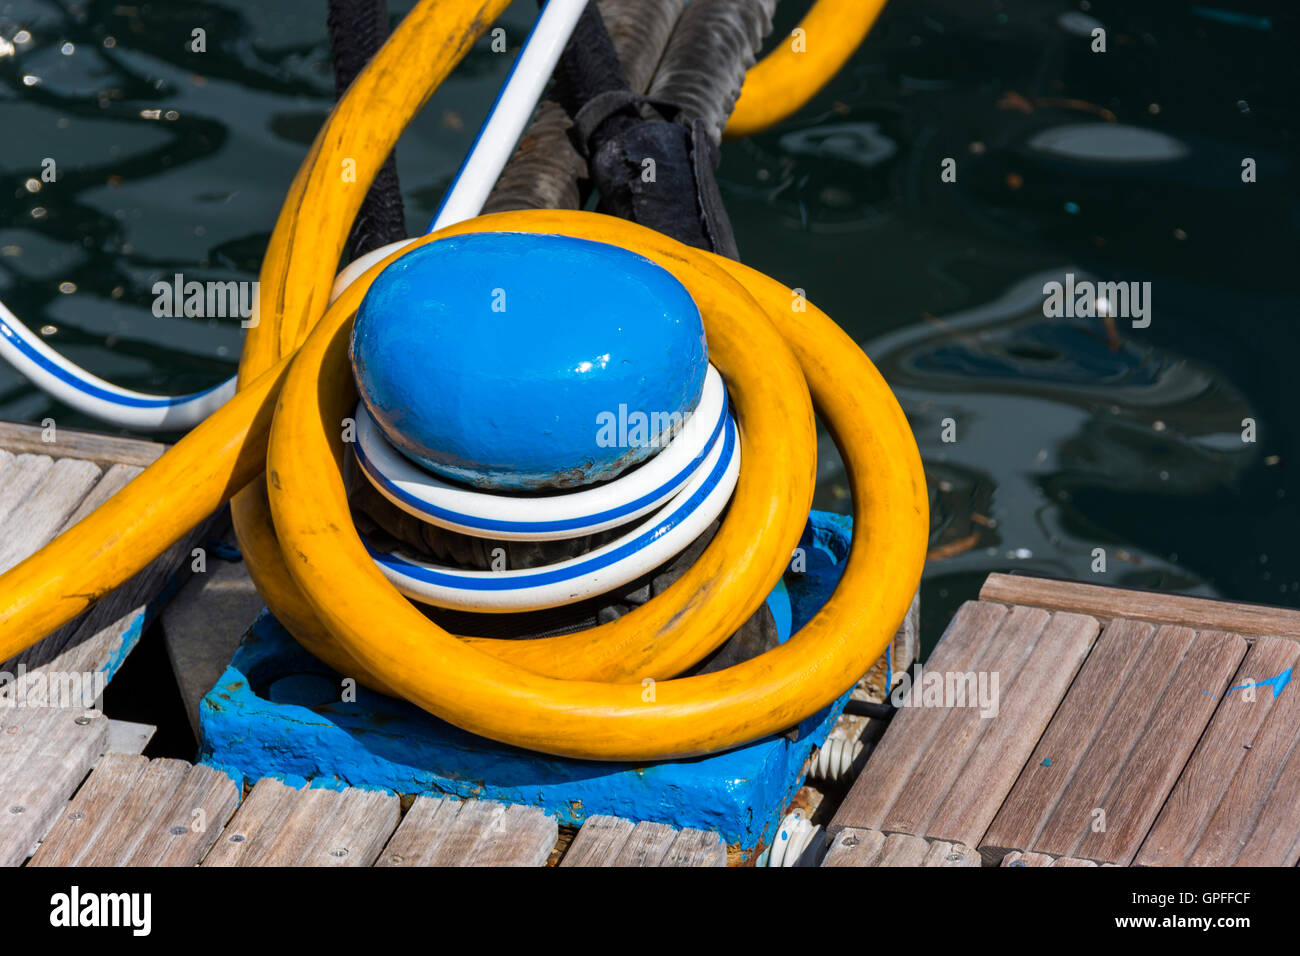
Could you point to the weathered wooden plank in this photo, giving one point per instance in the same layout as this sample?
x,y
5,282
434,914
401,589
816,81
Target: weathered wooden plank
x,y
128,737
469,829
1017,858
603,841
1028,701
945,854
1116,790
1275,840
308,813
1067,739
1162,750
78,829
1247,816
22,475
252,830
45,753
203,624
1158,607
35,493
696,848
598,842
853,846
355,831
75,443
1216,804
312,826
525,837
1080,804
424,828
110,483
647,845
135,816
902,849
446,832
189,823
44,510
960,728
913,729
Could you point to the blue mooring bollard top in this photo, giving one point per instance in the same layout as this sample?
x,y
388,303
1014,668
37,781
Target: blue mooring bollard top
x,y
515,361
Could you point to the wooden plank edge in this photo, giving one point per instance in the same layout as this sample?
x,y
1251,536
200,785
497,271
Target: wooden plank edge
x,y
1107,603
24,439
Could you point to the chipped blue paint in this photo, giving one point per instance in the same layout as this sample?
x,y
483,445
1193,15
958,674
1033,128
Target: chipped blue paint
x,y
388,744
1277,683
130,638
1047,762
142,619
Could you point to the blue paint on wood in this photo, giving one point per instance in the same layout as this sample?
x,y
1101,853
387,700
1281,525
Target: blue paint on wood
x,y
1276,683
502,360
142,618
384,743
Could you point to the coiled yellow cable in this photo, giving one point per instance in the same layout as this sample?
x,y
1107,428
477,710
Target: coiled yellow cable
x,y
582,695
373,623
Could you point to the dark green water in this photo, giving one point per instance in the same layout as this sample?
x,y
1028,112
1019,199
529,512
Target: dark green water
x,y
1070,435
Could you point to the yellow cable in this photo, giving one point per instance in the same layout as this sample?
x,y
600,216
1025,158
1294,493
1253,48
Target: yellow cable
x,y
793,73
579,695
584,718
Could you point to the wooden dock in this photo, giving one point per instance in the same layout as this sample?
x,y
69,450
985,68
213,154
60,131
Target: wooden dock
x,y
132,811
1131,737
1151,730
1130,728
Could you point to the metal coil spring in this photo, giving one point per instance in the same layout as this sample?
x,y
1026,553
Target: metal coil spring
x,y
837,760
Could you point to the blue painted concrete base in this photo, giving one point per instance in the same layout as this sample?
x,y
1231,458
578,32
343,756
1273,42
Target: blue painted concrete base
x,y
277,712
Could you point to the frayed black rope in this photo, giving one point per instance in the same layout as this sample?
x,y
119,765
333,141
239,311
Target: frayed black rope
x,y
651,162
357,29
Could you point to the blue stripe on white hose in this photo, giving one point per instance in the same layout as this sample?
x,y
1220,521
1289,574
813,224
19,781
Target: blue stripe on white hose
x,y
482,526
596,573
16,337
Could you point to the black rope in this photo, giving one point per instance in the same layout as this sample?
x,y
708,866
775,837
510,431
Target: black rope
x,y
357,29
651,161
869,708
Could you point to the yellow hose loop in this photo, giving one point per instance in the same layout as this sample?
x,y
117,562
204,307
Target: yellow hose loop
x,y
311,231
387,641
736,570
785,80
586,719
